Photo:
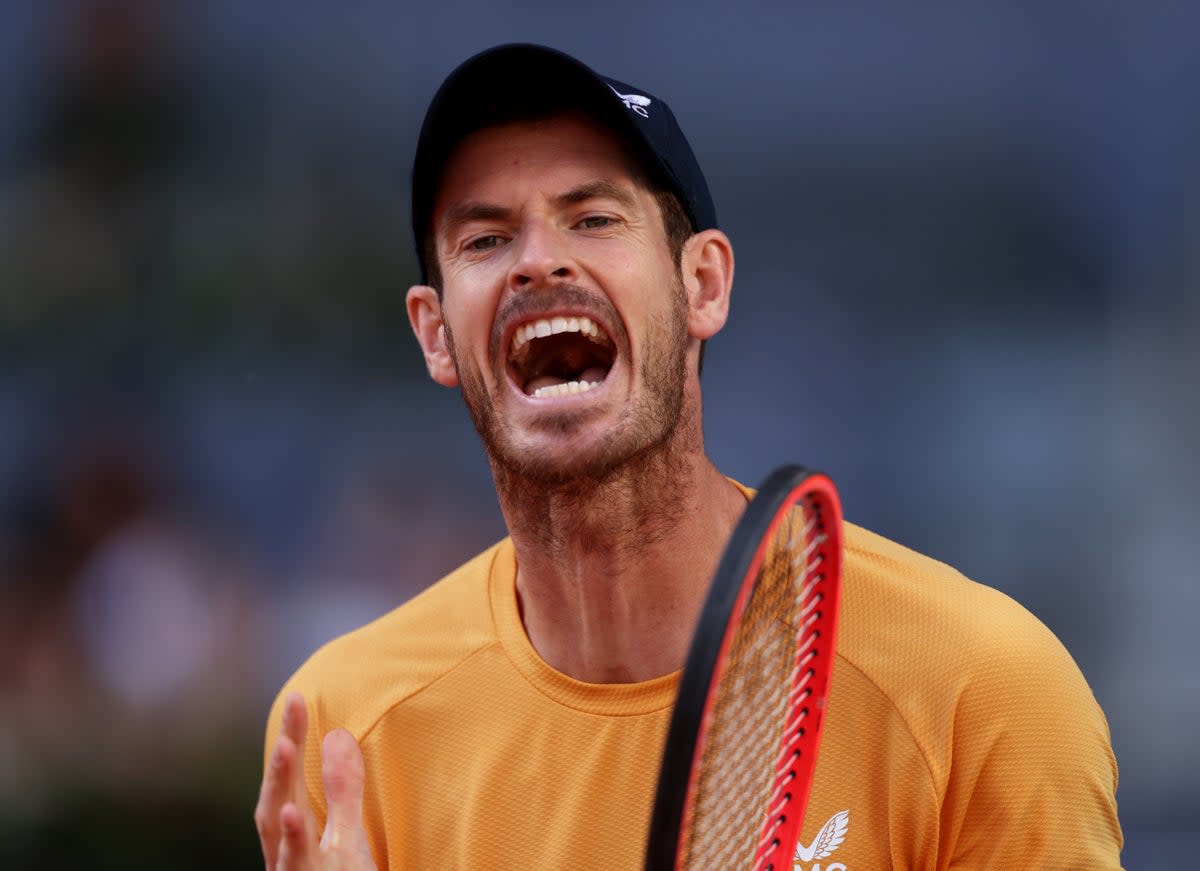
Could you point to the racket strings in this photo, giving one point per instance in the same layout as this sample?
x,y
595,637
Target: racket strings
x,y
794,732
742,732
743,737
807,578
765,683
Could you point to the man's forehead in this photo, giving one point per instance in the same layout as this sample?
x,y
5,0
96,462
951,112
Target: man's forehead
x,y
574,142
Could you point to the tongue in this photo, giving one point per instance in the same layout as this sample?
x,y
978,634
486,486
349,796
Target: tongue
x,y
596,373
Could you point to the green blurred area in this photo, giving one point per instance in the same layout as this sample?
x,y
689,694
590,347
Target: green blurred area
x,y
200,817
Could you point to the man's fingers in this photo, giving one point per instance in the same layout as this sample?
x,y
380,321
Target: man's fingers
x,y
344,774
342,770
283,782
295,727
276,790
297,846
287,826
295,717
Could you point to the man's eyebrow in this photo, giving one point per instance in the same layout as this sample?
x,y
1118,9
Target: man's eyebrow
x,y
599,189
472,210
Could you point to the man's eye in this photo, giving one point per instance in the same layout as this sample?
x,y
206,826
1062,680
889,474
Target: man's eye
x,y
484,243
596,222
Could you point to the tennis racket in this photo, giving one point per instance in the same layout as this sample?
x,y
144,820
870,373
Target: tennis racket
x,y
742,744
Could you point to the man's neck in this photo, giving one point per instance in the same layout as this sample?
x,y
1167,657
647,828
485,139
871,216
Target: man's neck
x,y
612,575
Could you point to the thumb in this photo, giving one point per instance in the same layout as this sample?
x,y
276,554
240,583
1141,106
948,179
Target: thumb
x,y
344,774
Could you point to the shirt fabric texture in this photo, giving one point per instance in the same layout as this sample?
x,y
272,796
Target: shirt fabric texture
x,y
959,733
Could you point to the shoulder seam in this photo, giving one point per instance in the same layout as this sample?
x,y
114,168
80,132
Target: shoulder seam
x,y
488,557
423,687
903,719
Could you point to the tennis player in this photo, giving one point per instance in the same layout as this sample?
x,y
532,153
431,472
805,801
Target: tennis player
x,y
512,716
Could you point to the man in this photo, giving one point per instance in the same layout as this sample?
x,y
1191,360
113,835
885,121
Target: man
x,y
512,716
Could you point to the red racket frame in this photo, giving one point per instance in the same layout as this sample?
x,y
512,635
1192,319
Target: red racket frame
x,y
800,741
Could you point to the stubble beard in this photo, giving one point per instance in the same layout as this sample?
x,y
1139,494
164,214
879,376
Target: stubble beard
x,y
641,447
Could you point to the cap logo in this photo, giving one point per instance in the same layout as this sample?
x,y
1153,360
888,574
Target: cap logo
x,y
634,102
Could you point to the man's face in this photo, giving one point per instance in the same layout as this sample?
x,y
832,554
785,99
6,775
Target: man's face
x,y
563,308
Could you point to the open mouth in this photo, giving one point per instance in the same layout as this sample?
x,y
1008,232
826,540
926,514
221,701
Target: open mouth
x,y
560,356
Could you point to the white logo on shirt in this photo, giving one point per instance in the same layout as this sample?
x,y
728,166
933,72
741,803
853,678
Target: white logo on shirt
x,y
635,102
827,840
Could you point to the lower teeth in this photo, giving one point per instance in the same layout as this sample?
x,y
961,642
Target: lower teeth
x,y
564,389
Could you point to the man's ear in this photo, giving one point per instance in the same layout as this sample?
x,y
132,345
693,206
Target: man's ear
x,y
707,268
425,315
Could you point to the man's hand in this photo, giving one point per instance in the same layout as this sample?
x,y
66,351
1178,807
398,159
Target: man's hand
x,y
287,827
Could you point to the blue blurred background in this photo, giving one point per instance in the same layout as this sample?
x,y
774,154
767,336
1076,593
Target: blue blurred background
x,y
968,286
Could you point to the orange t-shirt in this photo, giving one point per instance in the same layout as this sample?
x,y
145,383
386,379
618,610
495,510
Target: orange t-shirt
x,y
960,734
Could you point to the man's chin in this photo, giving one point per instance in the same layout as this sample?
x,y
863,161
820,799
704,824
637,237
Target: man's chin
x,y
558,465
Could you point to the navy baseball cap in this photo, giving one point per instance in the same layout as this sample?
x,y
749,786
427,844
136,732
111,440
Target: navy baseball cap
x,y
518,81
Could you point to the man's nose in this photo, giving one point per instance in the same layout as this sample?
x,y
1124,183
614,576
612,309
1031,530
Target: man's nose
x,y
543,253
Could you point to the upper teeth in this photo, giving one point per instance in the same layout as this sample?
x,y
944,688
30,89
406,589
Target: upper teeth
x,y
549,326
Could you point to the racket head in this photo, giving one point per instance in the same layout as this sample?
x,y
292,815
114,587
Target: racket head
x,y
742,744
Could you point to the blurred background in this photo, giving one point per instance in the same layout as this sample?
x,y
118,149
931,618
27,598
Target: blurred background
x,y
970,232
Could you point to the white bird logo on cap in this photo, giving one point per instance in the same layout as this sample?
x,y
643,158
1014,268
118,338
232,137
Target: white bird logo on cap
x,y
635,102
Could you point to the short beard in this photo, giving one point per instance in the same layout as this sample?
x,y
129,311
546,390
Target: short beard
x,y
636,444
